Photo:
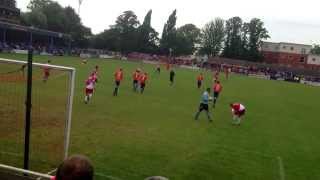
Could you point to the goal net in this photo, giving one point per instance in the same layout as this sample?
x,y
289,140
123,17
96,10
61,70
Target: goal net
x,y
52,96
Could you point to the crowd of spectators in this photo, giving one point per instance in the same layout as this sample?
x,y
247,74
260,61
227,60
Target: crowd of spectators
x,y
272,73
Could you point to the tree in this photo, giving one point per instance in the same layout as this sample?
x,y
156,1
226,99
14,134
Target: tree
x,y
148,37
126,26
315,49
257,32
213,35
109,39
35,18
169,34
233,43
9,3
48,14
38,4
188,36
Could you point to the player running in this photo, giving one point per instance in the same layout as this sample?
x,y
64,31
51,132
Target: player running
x,y
217,88
227,71
136,77
89,89
216,75
204,105
238,110
143,78
158,70
172,75
168,66
46,72
96,72
118,76
199,80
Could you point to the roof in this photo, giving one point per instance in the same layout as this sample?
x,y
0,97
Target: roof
x,y
31,29
287,43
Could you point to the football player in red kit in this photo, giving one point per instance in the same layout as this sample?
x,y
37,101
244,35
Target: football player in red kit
x,y
89,89
118,76
143,79
238,110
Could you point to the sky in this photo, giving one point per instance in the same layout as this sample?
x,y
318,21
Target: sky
x,y
286,20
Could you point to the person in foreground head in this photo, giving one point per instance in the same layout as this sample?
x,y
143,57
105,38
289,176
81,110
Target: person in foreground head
x,y
204,104
76,167
238,110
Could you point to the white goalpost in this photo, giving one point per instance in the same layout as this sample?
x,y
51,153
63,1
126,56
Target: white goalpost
x,y
52,103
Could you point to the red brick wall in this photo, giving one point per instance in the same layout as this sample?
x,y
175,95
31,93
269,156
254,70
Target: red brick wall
x,y
293,60
270,57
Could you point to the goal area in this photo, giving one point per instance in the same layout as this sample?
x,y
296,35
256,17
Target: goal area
x,y
51,111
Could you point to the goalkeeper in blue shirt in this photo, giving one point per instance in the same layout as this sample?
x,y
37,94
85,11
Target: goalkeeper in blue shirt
x,y
204,104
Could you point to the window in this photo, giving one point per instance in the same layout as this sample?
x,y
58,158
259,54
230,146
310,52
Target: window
x,y
292,48
313,59
303,51
284,47
302,59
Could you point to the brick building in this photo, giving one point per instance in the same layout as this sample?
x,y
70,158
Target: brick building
x,y
290,54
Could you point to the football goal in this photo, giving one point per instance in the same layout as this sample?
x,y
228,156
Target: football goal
x,y
51,111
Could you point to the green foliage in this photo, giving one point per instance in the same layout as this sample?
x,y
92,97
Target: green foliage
x,y
169,34
233,38
187,37
256,32
243,40
127,35
48,14
315,49
8,3
35,18
126,28
148,37
213,35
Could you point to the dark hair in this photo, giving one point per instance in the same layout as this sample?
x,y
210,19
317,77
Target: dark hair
x,y
208,89
76,167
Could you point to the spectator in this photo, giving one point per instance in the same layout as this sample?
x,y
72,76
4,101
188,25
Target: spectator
x,y
76,167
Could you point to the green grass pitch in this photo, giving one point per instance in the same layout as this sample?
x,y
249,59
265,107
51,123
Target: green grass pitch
x,y
134,136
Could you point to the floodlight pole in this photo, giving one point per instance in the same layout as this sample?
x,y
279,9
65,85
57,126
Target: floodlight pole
x,y
28,111
80,2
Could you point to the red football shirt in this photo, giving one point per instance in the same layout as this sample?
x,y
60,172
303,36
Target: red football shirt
x,y
143,78
118,75
217,88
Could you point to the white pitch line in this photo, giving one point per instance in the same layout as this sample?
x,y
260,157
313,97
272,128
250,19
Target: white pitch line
x,y
281,169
